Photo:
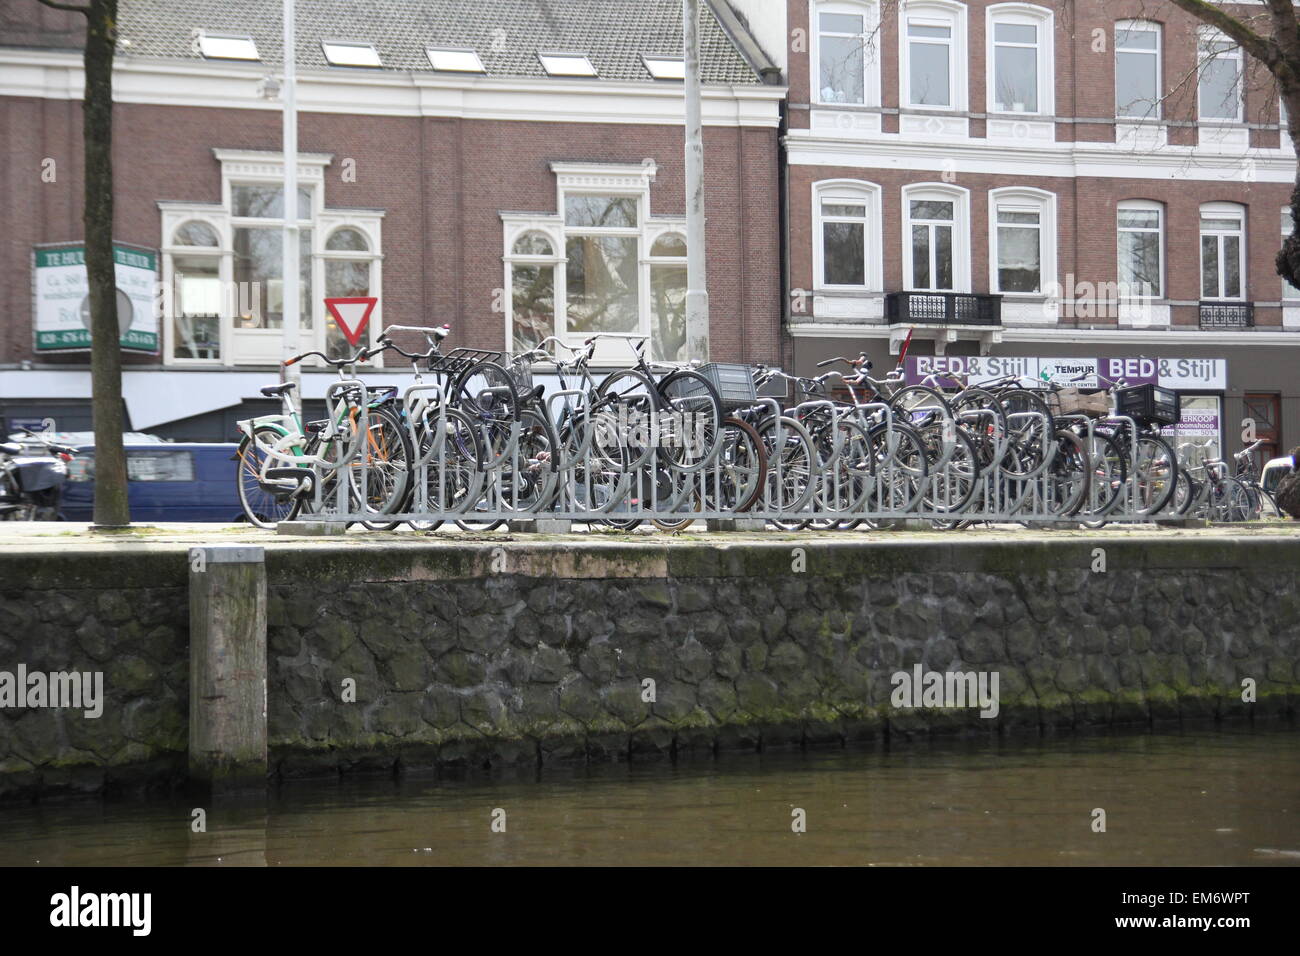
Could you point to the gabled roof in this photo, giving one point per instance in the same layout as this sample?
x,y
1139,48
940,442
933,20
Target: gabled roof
x,y
506,34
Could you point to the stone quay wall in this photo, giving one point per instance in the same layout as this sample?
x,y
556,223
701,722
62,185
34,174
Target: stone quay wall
x,y
416,656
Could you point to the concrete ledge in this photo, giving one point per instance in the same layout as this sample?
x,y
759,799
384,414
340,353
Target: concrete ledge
x,y
311,529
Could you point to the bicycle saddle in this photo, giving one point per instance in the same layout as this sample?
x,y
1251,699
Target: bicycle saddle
x,y
10,448
273,391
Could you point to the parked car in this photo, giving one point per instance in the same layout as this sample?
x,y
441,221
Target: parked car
x,y
1274,472
166,481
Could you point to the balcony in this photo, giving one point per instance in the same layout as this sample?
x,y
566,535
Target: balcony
x,y
1227,315
943,308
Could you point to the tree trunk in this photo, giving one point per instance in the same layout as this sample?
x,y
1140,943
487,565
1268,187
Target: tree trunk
x,y
111,508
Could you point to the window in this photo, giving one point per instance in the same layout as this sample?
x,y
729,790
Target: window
x,y
140,466
848,244
600,264
223,264
259,271
454,61
602,237
935,239
1137,70
1218,90
224,46
668,297
532,283
1023,250
1141,249
932,55
846,65
1020,77
1288,290
347,53
566,64
1222,251
348,268
929,56
665,67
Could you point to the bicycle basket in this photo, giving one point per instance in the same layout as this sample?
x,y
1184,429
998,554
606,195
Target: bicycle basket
x,y
521,373
734,384
1075,401
459,359
1148,404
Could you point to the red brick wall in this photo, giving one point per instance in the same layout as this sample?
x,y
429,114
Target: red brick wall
x,y
1086,228
442,183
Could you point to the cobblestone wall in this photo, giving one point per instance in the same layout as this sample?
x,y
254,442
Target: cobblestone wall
x,y
480,654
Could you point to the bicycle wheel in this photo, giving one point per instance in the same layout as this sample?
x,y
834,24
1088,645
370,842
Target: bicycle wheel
x,y
736,484
792,464
452,477
1109,471
486,393
383,467
263,507
953,460
1155,474
690,432
1229,501
1068,475
919,405
624,425
1029,425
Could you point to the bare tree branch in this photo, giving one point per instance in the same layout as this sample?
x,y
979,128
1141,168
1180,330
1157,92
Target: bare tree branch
x,y
71,8
1262,48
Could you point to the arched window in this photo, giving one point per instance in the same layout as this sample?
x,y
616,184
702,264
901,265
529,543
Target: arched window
x,y
195,233
845,57
1019,57
1141,226
1223,251
936,239
533,244
847,247
1022,246
347,240
933,61
532,264
349,273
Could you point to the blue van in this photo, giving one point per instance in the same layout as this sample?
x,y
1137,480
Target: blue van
x,y
191,481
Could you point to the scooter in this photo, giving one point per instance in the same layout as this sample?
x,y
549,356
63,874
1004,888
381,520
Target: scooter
x,y
31,485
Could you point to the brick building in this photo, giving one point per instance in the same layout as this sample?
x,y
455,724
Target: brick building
x,y
1049,189
513,167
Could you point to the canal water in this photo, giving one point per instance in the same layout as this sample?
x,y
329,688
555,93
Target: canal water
x,y
1208,797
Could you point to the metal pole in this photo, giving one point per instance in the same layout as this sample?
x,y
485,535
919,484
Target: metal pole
x,y
289,273
697,295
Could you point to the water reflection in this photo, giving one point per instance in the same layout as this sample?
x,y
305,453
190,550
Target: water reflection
x,y
1197,798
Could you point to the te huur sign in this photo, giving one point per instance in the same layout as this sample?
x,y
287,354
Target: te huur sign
x,y
62,297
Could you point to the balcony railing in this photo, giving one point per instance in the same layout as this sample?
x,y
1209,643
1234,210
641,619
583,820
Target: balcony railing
x,y
1227,315
943,308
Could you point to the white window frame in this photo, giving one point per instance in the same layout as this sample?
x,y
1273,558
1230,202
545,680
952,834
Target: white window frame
x,y
1025,199
256,167
870,13
1145,205
1023,14
603,179
1159,54
853,191
960,198
935,13
1206,36
1223,210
